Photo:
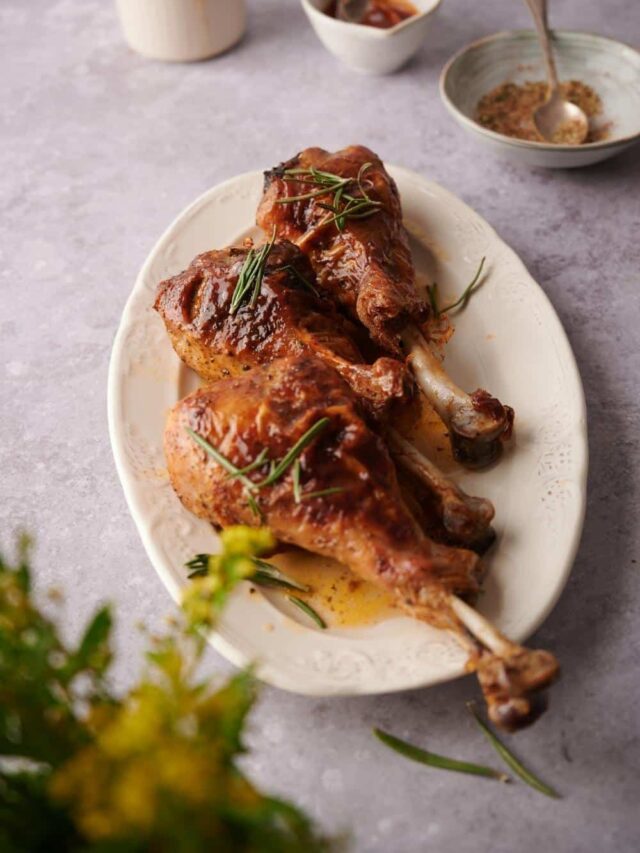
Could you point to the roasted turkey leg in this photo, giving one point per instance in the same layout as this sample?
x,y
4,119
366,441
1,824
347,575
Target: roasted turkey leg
x,y
363,261
289,318
345,504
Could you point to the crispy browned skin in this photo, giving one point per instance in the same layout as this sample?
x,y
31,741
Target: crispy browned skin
x,y
366,267
287,319
366,525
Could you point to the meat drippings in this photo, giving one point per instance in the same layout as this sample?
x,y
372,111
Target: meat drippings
x,y
340,597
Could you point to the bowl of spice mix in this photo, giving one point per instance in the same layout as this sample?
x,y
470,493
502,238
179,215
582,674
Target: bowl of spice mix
x,y
493,86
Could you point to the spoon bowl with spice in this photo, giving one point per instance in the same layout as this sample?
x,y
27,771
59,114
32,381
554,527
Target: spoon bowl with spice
x,y
494,87
558,120
371,36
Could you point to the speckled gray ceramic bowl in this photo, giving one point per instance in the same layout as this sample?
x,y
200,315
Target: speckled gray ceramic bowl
x,y
611,68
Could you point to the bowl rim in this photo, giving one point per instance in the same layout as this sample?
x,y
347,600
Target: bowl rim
x,y
473,125
365,30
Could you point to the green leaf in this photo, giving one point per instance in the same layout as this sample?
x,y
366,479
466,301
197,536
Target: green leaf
x,y
295,451
94,643
510,759
431,759
269,575
306,608
465,296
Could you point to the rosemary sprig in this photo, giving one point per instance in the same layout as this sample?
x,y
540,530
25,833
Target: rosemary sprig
x,y
462,301
326,182
279,468
510,759
353,209
198,565
414,753
344,205
266,574
251,274
306,608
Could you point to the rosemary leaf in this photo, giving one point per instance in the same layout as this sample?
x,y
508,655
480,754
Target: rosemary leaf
x,y
306,608
264,254
293,454
196,573
269,575
198,561
254,507
510,759
232,470
462,301
258,462
225,463
321,493
414,753
199,565
295,474
291,198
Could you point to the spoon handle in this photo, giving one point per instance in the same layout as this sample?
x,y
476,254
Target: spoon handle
x,y
538,9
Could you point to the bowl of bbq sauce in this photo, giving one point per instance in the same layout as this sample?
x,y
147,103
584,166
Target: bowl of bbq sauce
x,y
388,36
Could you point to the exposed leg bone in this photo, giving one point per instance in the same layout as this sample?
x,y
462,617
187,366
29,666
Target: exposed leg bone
x,y
467,518
477,423
511,676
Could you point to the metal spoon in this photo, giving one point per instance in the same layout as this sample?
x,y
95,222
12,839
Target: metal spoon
x,y
557,120
351,11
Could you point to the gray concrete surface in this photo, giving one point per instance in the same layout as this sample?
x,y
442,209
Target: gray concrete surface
x,y
100,149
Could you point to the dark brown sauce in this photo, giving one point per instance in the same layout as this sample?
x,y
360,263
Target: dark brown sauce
x,y
381,13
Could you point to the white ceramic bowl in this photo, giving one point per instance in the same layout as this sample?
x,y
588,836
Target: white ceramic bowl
x,y
182,30
371,49
611,68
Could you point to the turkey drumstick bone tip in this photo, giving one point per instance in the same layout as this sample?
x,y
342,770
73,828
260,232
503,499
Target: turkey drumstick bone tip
x,y
363,260
477,423
463,515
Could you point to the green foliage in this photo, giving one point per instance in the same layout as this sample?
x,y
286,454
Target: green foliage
x,y
155,770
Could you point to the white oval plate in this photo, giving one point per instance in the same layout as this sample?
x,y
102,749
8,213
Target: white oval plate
x,y
510,341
